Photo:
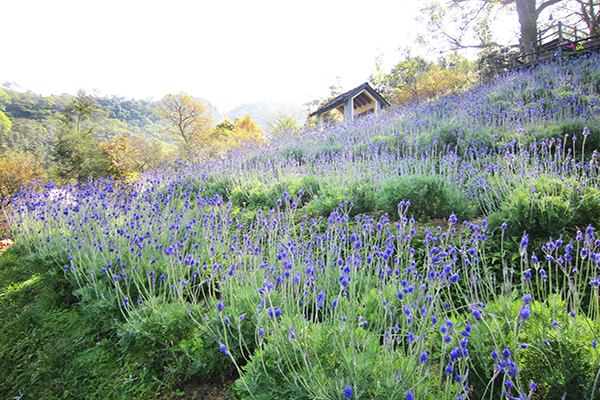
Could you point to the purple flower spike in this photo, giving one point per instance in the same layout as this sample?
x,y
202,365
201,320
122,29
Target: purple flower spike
x,y
348,391
223,348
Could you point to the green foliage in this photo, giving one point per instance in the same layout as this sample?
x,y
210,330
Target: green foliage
x,y
429,196
293,154
548,206
38,123
494,62
257,195
5,126
163,340
79,156
448,135
557,354
216,185
567,130
319,363
359,198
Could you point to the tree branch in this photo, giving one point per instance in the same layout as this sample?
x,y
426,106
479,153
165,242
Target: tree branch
x,y
545,5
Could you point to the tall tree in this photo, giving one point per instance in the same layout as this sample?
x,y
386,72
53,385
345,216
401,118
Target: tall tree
x,y
78,155
81,108
528,12
188,122
460,20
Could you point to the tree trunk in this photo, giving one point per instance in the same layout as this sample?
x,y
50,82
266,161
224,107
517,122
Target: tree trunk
x,y
528,20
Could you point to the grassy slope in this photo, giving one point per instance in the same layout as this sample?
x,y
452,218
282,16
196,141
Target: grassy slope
x,y
51,348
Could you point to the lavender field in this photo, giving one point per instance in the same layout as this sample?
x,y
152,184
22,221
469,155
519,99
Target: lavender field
x,y
449,250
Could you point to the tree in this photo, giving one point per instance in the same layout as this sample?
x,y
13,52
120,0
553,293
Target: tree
x,y
188,122
5,127
587,11
231,135
17,169
473,18
247,129
283,123
78,155
80,109
414,79
125,159
5,123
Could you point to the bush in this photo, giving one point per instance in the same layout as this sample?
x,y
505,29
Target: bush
x,y
322,360
430,197
557,356
216,186
256,195
153,340
548,208
359,197
575,129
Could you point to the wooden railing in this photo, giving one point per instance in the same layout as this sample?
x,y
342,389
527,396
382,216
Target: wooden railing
x,y
555,42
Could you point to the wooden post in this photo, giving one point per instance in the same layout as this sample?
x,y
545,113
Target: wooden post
x,y
320,120
349,111
560,39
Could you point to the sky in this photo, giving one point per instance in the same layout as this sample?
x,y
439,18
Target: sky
x,y
229,52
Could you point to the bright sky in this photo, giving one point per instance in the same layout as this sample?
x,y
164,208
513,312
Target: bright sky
x,y
229,52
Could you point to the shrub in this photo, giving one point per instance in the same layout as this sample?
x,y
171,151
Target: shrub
x,y
550,348
548,207
256,195
359,197
575,128
429,196
322,360
216,185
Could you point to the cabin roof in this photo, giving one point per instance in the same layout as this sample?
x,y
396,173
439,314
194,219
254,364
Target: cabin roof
x,y
342,98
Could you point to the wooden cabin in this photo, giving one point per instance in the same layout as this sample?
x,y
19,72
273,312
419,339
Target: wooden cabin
x,y
358,101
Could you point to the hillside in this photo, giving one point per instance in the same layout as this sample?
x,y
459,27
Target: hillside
x,y
444,251
35,120
265,112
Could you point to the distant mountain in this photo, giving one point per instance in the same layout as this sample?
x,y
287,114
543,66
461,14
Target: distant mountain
x,y
213,111
265,111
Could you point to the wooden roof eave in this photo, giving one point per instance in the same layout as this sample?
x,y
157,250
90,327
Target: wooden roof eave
x,y
343,98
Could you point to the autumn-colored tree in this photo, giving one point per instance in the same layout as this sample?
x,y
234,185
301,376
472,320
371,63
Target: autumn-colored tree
x,y
415,79
188,123
229,135
125,159
247,130
17,169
